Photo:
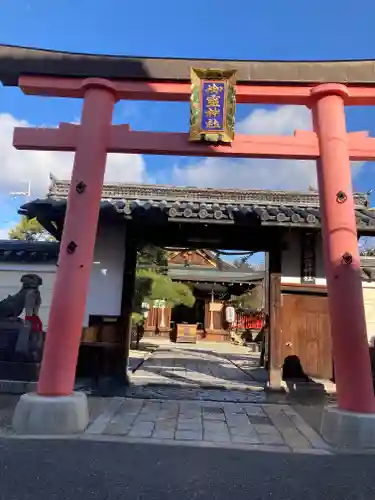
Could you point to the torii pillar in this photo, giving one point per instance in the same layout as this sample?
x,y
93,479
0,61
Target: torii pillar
x,y
354,416
56,408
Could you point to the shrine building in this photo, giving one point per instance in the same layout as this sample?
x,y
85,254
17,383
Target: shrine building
x,y
284,225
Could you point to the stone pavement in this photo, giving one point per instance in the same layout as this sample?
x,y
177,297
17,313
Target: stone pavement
x,y
231,425
204,371
209,371
207,365
248,426
205,395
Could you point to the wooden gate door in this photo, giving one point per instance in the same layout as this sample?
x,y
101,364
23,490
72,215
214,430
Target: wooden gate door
x,y
305,332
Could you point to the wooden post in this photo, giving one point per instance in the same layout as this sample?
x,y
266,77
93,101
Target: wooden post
x,y
211,327
128,290
275,361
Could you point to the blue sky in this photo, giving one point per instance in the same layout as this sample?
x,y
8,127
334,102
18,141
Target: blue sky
x,y
240,29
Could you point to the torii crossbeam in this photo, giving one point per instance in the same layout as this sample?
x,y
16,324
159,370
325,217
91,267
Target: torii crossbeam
x,y
304,145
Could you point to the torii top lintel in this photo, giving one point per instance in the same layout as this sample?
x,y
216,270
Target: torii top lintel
x,y
162,79
16,61
49,73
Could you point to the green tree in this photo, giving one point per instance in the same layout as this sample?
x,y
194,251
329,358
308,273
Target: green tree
x,y
152,257
243,264
152,283
252,299
153,286
29,230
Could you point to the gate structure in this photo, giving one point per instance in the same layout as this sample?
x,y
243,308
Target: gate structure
x,y
325,87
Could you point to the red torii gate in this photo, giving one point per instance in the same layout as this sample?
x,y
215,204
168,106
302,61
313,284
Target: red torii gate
x,y
329,144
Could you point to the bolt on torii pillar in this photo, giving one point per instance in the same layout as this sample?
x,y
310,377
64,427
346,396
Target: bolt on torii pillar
x,y
330,144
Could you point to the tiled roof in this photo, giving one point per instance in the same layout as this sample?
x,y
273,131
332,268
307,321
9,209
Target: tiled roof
x,y
214,275
59,189
14,251
267,208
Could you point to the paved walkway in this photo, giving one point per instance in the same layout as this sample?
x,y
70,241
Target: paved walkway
x,y
263,427
205,371
202,372
204,364
207,395
249,426
209,371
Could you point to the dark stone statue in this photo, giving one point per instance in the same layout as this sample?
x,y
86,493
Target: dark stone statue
x,y
21,340
369,272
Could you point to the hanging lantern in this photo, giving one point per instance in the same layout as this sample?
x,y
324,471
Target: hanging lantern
x,y
230,314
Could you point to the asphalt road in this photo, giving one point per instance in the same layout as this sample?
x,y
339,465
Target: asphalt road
x,y
82,470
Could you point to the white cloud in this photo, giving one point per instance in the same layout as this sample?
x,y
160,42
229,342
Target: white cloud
x,y
18,167
256,173
4,233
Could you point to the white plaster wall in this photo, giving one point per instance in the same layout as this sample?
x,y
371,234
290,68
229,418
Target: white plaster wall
x,y
105,291
369,301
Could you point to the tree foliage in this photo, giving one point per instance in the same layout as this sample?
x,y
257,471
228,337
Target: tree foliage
x,y
243,265
252,299
154,258
152,283
29,230
154,286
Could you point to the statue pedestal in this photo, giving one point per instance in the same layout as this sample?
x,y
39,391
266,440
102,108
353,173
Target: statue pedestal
x,y
51,415
20,351
348,430
25,371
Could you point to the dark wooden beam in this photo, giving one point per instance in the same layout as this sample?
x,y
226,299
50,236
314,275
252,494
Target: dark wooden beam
x,y
209,236
128,290
28,63
275,361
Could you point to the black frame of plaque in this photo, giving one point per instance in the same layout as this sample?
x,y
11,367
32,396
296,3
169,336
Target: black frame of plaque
x,y
308,258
